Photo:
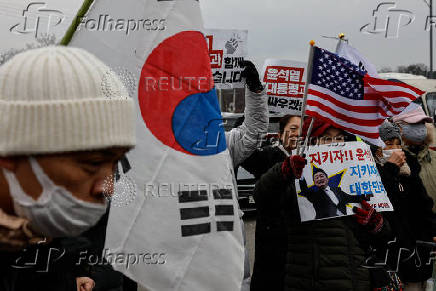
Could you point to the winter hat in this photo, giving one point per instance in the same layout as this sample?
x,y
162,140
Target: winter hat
x,y
318,128
389,131
416,115
61,99
318,170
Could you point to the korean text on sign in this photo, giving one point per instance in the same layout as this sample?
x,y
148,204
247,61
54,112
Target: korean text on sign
x,y
284,81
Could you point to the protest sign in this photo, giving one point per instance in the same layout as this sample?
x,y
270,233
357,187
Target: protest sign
x,y
227,50
336,178
285,81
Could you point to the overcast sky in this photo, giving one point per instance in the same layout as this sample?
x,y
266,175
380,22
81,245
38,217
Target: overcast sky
x,y
283,28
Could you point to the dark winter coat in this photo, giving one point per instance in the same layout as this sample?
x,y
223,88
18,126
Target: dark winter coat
x,y
43,267
270,236
59,263
410,221
263,159
320,255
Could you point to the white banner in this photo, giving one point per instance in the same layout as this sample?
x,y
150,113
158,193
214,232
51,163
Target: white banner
x,y
180,230
285,81
336,178
227,49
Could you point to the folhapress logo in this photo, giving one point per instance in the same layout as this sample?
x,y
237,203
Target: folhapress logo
x,y
387,20
38,19
107,23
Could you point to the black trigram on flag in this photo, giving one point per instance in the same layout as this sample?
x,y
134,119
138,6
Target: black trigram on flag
x,y
125,164
201,197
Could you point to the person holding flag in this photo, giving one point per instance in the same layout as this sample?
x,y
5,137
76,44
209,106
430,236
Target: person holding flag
x,y
345,97
321,254
270,248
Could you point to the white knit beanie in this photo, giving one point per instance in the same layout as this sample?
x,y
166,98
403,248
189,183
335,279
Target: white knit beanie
x,y
62,99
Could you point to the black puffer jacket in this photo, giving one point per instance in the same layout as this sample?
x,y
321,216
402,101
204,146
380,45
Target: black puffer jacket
x,y
270,247
263,159
51,267
320,255
410,221
55,266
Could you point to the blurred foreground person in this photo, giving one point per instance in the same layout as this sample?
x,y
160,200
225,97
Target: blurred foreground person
x,y
318,255
417,132
66,120
411,220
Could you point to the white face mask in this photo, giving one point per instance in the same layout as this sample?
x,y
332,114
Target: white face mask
x,y
388,153
404,170
56,213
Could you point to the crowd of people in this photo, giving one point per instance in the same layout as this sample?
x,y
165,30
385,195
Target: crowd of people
x,y
370,251
61,140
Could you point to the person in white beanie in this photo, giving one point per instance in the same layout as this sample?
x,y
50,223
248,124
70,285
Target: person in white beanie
x,y
65,122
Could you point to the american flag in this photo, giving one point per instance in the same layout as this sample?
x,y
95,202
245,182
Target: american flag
x,y
345,96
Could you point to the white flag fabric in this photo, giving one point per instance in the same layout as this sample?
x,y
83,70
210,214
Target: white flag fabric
x,y
354,56
179,228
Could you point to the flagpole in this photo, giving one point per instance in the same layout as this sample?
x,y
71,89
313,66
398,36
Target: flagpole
x,y
341,38
76,21
308,80
309,131
431,39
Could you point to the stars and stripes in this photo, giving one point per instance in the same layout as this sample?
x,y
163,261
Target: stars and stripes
x,y
345,96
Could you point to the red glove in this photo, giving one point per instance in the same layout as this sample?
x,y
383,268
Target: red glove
x,y
368,216
293,165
